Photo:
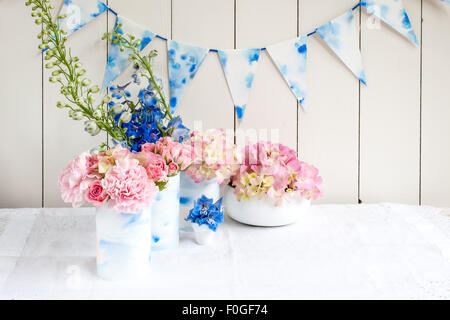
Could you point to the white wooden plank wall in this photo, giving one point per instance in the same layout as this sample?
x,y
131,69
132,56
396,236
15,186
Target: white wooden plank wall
x,y
387,142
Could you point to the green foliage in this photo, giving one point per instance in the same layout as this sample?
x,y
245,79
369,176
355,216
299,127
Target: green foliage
x,y
68,71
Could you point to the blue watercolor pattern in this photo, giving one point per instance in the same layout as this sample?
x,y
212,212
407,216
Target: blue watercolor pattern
x,y
446,2
393,13
239,67
342,37
118,61
166,216
290,58
79,13
184,61
123,243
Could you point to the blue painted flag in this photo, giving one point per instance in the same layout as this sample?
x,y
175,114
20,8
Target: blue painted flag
x,y
342,37
184,61
239,67
118,60
393,13
79,13
290,58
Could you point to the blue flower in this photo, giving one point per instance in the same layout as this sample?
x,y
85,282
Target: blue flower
x,y
177,130
118,92
205,212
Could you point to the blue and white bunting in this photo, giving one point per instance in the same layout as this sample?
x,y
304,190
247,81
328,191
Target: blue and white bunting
x,y
184,61
239,67
394,14
79,13
118,60
342,37
290,58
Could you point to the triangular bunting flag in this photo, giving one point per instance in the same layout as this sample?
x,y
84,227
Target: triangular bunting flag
x,y
239,67
394,14
341,36
184,61
119,60
79,13
290,58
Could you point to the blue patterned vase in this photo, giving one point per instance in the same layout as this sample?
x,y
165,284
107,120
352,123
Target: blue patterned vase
x,y
123,244
166,215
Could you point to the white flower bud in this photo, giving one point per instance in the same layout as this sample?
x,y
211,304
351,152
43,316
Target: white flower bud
x,y
117,108
125,117
92,128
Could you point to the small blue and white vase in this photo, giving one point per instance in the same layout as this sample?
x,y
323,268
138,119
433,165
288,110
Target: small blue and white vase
x,y
123,244
166,216
191,191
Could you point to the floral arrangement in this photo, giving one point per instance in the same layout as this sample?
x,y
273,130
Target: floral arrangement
x,y
274,170
216,157
129,122
165,158
206,212
127,181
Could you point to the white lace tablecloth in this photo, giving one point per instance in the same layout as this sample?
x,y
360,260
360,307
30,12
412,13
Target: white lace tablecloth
x,y
337,251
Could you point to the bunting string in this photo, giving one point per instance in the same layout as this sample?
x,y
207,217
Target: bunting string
x,y
240,65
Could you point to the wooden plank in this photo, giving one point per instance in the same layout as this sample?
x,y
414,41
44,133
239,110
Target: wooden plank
x,y
390,109
20,124
328,131
65,138
436,104
207,23
271,106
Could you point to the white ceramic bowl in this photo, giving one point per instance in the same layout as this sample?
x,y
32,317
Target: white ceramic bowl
x,y
263,212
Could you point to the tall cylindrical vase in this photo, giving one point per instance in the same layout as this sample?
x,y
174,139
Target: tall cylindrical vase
x,y
165,216
123,244
190,192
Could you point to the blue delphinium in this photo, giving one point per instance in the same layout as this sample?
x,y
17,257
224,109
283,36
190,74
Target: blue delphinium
x,y
144,120
206,212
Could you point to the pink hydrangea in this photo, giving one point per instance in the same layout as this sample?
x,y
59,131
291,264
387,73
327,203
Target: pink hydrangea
x,y
129,186
274,170
216,156
76,178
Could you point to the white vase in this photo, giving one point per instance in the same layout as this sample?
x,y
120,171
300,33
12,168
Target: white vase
x,y
190,192
166,215
263,212
123,244
203,234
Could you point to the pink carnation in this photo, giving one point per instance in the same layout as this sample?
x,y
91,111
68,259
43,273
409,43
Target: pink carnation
x,y
75,179
129,187
95,194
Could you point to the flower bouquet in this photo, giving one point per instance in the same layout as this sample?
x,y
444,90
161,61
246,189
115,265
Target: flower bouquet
x,y
122,181
216,159
272,186
164,160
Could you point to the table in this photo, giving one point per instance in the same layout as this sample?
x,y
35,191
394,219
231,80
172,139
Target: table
x,y
382,251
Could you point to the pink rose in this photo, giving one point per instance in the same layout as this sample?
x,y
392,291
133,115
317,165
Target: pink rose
x,y
148,147
128,186
156,167
173,169
95,194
